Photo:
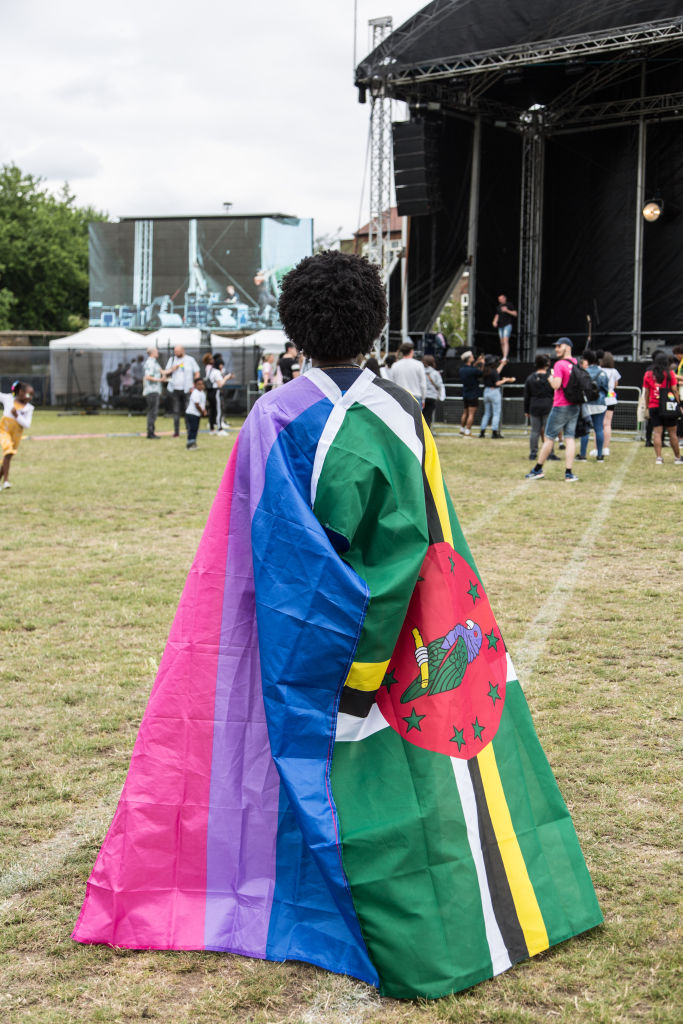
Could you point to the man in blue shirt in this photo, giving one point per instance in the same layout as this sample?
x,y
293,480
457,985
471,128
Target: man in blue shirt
x,y
470,375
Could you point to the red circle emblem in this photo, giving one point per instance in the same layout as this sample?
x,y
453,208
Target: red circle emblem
x,y
444,689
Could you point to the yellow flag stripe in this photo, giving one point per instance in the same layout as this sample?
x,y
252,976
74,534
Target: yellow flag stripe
x,y
366,675
523,895
435,481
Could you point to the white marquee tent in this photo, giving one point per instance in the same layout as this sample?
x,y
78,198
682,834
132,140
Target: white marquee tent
x,y
80,363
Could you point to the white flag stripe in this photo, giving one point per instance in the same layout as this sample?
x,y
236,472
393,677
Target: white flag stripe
x,y
350,728
388,410
497,949
342,402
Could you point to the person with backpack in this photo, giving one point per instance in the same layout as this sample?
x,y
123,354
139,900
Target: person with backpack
x,y
564,414
596,409
663,403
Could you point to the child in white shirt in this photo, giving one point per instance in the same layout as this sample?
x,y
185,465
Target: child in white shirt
x,y
196,408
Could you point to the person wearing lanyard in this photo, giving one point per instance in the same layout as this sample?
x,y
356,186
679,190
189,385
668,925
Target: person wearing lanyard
x,y
181,371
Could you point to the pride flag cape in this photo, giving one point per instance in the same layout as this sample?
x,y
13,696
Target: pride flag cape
x,y
337,763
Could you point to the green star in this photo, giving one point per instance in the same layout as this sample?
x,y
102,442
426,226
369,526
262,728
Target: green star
x,y
474,592
478,729
413,722
458,737
389,680
452,561
492,639
493,693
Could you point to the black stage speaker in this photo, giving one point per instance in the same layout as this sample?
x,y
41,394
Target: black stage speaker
x,y
415,167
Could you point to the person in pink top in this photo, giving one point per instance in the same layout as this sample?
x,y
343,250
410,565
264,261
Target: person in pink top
x,y
657,379
563,415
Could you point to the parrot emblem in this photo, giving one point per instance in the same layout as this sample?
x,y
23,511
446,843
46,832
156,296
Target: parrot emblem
x,y
442,663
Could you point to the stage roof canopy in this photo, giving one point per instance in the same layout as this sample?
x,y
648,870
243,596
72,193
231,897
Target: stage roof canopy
x,y
499,57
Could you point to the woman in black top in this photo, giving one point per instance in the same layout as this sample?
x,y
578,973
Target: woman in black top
x,y
493,396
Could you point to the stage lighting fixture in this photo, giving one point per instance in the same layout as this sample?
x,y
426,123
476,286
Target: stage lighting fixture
x,y
653,209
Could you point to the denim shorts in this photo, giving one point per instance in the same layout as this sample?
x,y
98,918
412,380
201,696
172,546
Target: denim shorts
x,y
562,417
505,332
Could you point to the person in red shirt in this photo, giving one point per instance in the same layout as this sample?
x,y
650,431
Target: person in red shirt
x,y
656,379
563,415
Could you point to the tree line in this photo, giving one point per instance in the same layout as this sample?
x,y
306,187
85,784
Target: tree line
x,y
43,255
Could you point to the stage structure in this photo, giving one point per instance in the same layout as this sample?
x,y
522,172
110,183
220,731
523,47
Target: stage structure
x,y
540,132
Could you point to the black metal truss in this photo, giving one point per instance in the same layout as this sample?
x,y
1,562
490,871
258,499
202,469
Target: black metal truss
x,y
666,107
394,74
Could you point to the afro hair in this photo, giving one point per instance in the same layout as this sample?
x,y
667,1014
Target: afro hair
x,y
333,305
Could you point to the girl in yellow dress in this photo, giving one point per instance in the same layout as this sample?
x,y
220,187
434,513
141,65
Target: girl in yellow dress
x,y
18,413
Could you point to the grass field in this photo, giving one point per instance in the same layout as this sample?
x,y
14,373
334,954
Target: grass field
x,y
586,582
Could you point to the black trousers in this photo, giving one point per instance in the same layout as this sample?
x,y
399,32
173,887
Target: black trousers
x,y
428,411
212,407
179,404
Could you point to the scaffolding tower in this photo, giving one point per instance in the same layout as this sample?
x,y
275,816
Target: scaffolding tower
x,y
379,222
530,229
142,263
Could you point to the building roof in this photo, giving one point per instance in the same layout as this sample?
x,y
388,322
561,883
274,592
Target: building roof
x,y
213,216
394,226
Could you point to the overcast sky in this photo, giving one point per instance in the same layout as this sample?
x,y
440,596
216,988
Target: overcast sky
x,y
153,108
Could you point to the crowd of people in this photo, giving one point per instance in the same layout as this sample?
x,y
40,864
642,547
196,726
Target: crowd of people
x,y
191,395
560,403
552,414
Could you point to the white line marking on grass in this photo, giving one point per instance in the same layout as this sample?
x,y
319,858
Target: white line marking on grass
x,y
493,510
43,859
531,648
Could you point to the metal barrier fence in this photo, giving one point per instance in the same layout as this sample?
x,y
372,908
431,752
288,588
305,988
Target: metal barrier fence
x,y
84,377
625,416
79,379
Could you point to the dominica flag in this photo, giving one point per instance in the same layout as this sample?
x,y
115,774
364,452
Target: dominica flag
x,y
337,763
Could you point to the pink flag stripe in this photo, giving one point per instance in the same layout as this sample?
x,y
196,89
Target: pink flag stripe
x,y
145,892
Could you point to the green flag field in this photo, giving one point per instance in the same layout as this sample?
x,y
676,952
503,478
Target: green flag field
x,y
586,583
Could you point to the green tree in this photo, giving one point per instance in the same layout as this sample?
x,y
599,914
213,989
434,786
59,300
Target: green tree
x,y
43,254
452,323
329,241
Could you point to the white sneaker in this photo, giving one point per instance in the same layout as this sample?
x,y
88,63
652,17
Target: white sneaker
x,y
222,432
659,462
605,451
462,430
6,485
468,433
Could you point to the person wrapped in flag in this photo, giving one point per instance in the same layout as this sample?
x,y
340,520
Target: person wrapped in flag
x,y
337,763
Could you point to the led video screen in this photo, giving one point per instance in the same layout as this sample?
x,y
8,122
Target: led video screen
x,y
208,272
